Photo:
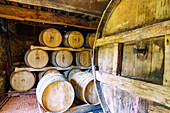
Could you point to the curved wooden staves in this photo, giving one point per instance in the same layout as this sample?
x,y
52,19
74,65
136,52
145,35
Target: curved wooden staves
x,y
106,14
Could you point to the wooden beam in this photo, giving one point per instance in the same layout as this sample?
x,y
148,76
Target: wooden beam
x,y
166,79
155,30
149,91
74,6
23,14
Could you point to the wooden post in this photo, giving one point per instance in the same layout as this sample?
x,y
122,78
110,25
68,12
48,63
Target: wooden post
x,y
166,79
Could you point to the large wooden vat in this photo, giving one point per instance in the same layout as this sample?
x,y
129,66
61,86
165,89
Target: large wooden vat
x,y
22,80
131,59
50,37
54,93
83,83
36,58
73,39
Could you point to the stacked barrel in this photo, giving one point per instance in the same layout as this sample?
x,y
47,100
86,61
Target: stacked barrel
x,y
55,91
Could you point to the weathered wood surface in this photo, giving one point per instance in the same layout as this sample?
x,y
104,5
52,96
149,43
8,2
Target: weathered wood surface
x,y
155,30
45,68
166,80
153,92
131,14
23,14
90,7
15,93
59,48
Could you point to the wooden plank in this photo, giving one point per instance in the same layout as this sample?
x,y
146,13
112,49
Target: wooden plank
x,y
59,48
23,14
90,7
45,68
115,59
141,88
155,30
166,80
15,93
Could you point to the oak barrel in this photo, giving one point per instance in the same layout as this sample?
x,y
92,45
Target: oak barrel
x,y
54,93
50,37
73,39
36,58
43,73
83,83
89,40
61,58
22,81
83,58
68,74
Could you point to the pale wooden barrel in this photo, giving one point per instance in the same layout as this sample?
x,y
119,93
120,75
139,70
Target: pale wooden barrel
x,y
62,58
83,58
36,58
50,37
90,40
83,83
73,39
68,74
22,81
43,73
54,93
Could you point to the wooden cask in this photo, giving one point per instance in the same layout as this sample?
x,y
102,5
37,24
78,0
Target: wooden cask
x,y
22,81
54,93
73,39
36,58
62,58
90,40
43,73
50,37
83,58
83,83
68,74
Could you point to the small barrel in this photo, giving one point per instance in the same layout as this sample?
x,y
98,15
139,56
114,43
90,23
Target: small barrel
x,y
83,58
62,58
36,58
68,74
83,83
50,37
73,39
22,81
54,93
90,40
41,74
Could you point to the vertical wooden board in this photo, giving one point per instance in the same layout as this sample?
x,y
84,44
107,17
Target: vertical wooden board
x,y
128,62
150,11
166,78
141,12
157,64
162,9
115,59
105,58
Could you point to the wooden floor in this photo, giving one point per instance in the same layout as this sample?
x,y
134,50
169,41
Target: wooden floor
x,y
23,104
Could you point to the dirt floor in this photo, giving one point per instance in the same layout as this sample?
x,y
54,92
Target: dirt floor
x,y
23,104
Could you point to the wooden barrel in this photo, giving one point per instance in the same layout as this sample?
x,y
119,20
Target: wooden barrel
x,y
90,40
83,58
43,73
22,81
68,74
62,58
54,93
83,83
50,37
36,58
73,39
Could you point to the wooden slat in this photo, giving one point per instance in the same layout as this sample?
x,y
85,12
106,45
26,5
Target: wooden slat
x,y
153,92
45,68
155,30
166,80
23,14
15,93
74,6
59,48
